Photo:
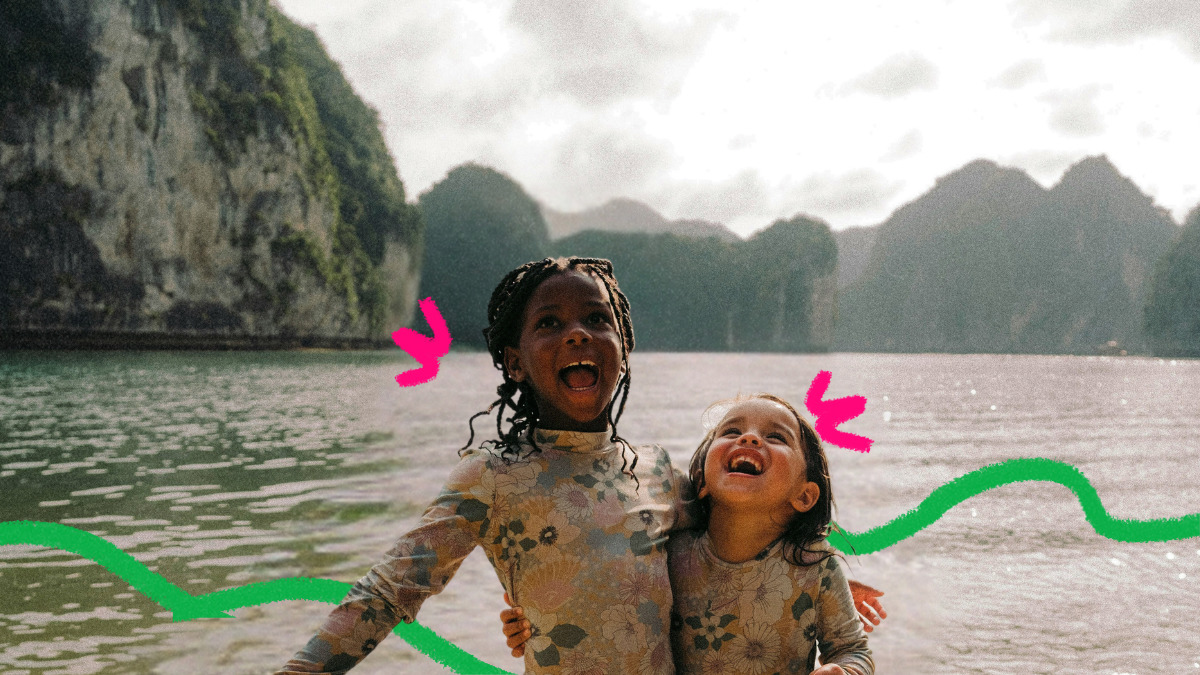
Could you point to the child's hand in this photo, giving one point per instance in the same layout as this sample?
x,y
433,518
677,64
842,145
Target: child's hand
x,y
516,628
829,669
866,601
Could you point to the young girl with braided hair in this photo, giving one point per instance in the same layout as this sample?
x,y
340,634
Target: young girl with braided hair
x,y
572,533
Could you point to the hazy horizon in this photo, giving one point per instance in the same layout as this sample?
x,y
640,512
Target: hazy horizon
x,y
742,116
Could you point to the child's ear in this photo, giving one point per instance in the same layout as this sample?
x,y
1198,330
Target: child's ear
x,y
805,496
512,363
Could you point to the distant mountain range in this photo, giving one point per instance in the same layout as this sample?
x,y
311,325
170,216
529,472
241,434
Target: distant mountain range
x,y
262,208
989,261
986,261
627,215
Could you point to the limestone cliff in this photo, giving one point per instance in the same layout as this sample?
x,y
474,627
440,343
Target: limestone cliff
x,y
193,170
774,292
790,298
988,261
1172,318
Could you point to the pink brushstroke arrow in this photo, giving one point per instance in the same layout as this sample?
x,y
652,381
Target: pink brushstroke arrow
x,y
426,350
833,412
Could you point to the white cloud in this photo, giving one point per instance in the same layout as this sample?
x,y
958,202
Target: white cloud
x,y
1116,21
601,52
900,75
908,145
1075,113
600,162
1020,74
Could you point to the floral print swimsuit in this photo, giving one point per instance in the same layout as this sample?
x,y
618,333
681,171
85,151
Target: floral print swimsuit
x,y
755,616
569,535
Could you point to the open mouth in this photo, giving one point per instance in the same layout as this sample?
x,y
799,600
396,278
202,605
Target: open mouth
x,y
746,464
580,375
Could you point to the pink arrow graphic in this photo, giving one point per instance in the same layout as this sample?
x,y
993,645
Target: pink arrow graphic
x,y
833,412
426,350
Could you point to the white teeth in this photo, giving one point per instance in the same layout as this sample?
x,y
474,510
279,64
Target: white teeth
x,y
580,363
745,458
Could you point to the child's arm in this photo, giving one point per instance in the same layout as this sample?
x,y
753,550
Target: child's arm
x,y
840,636
418,565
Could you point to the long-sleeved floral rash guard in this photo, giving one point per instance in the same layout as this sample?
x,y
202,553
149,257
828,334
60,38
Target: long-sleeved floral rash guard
x,y
573,539
764,615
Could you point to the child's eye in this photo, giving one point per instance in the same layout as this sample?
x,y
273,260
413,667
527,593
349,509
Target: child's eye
x,y
778,436
731,431
546,322
598,317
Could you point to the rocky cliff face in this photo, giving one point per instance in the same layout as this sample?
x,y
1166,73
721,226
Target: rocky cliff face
x,y
792,298
822,313
165,169
1172,318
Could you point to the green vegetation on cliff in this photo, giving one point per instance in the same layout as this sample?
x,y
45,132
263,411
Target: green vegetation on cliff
x,y
988,261
679,288
1173,308
705,294
247,188
687,293
293,89
780,276
372,196
479,224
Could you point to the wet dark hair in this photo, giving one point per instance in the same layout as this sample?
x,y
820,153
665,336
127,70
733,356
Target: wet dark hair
x,y
506,315
803,529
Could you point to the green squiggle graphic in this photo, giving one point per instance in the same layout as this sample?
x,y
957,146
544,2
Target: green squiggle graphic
x,y
421,638
180,603
184,606
966,486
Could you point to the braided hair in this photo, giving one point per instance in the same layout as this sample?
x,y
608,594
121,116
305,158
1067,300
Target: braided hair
x,y
803,529
506,313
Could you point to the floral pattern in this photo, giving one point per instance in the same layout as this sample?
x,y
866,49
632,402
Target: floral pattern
x,y
765,615
566,531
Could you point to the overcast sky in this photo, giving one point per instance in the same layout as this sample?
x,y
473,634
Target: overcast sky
x,y
843,111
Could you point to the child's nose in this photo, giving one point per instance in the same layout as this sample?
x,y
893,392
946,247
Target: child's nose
x,y
578,334
750,439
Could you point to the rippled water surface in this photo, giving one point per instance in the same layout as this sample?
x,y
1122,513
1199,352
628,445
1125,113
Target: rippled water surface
x,y
221,469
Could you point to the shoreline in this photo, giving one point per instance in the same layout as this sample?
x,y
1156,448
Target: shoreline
x,y
68,340
80,340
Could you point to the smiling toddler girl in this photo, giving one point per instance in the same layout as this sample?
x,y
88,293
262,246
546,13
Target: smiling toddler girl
x,y
760,589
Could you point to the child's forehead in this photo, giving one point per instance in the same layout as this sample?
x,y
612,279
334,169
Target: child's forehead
x,y
571,281
762,410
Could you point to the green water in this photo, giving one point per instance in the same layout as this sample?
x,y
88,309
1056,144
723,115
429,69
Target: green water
x,y
214,469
